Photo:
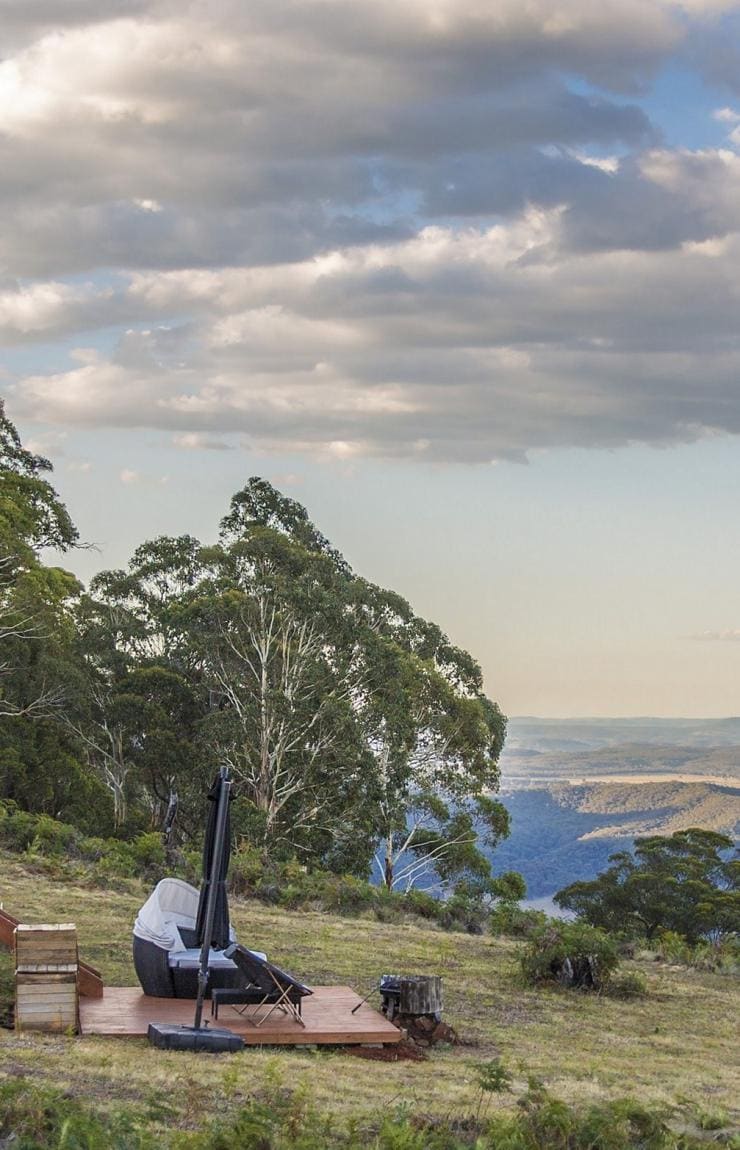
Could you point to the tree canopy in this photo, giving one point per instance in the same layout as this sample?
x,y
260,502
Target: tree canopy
x,y
687,882
360,738
39,762
354,728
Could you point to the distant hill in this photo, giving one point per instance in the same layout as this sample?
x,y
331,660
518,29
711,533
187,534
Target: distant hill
x,y
528,767
578,790
561,833
590,734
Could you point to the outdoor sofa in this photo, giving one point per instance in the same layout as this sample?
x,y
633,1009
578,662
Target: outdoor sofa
x,y
166,949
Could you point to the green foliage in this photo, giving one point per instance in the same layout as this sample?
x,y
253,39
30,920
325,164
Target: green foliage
x,y
493,1077
721,955
31,514
513,921
712,1118
293,886
349,722
569,953
629,985
354,729
686,883
73,853
37,1118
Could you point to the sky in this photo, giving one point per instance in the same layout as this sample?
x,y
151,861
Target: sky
x,y
462,276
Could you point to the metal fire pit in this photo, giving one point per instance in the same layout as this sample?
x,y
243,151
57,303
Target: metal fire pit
x,y
411,995
390,995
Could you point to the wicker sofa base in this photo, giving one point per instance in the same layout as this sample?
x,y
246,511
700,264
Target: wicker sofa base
x,y
160,980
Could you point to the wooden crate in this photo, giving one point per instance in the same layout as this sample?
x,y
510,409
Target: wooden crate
x,y
50,944
46,971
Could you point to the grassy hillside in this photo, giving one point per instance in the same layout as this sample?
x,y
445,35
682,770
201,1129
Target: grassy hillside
x,y
675,1047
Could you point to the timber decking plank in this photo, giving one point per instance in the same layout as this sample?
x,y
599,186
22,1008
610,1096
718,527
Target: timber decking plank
x,y
125,1012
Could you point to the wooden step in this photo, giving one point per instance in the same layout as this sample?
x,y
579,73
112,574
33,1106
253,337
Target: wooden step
x,y
88,978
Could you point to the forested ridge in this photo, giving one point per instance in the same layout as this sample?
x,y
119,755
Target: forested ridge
x,y
359,737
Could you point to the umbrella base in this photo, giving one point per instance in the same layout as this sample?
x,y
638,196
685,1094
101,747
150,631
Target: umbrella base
x,y
208,1039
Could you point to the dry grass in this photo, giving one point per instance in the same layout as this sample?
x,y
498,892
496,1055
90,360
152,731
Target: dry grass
x,y
677,1044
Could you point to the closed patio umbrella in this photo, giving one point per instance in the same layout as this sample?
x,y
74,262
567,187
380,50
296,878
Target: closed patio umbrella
x,y
216,845
213,929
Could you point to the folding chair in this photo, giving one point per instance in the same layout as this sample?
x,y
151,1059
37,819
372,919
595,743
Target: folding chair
x,y
278,989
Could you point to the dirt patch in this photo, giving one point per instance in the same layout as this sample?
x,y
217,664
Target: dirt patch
x,y
405,1051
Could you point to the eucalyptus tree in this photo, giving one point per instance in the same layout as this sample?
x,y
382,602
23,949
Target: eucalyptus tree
x,y
39,764
249,627
352,726
31,514
435,739
268,625
137,709
32,596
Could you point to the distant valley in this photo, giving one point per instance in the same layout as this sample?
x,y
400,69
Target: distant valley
x,y
579,790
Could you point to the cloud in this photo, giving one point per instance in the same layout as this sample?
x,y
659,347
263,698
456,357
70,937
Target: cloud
x,y
458,344
195,137
730,636
439,229
195,441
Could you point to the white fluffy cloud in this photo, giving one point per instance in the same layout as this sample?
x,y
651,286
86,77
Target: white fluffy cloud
x,y
380,228
460,345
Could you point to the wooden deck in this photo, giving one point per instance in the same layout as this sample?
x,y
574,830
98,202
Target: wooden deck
x,y
124,1012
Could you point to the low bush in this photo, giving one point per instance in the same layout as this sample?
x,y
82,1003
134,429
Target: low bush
x,y
570,953
17,827
721,956
65,853
293,886
513,921
626,986
64,850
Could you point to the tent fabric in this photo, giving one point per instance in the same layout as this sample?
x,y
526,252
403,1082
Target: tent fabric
x,y
220,937
172,904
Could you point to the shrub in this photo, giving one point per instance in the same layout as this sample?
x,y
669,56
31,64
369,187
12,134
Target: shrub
x,y
721,956
570,953
420,902
629,985
53,838
17,827
514,921
147,852
673,947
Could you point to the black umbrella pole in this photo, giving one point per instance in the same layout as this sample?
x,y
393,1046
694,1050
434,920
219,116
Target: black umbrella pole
x,y
218,850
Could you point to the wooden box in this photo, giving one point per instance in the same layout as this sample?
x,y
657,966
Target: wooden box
x,y
46,977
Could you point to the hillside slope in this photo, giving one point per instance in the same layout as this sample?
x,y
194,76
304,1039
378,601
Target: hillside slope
x,y
584,1047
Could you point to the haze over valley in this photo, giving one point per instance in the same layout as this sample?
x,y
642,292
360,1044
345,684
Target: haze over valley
x,y
578,790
